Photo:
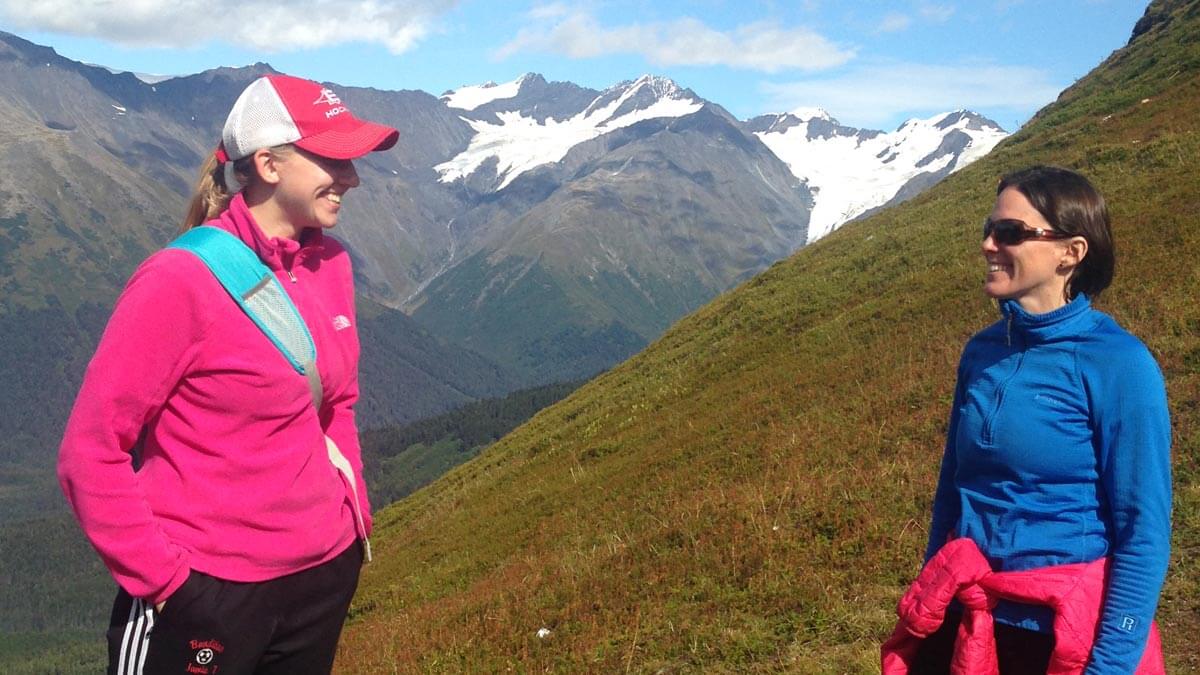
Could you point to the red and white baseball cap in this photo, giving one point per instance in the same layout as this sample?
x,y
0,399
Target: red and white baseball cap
x,y
278,109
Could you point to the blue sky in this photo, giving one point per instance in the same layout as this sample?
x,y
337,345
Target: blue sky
x,y
868,63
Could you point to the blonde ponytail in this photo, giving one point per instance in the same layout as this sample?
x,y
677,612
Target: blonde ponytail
x,y
211,195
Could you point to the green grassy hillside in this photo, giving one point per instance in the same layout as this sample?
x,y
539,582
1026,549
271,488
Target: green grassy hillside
x,y
399,460
751,493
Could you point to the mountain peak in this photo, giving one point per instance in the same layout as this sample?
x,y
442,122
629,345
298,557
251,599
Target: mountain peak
x,y
664,86
30,50
148,78
806,113
968,119
544,122
834,159
655,86
817,120
238,73
470,97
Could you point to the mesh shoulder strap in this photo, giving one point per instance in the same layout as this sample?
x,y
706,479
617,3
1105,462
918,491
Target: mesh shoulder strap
x,y
256,290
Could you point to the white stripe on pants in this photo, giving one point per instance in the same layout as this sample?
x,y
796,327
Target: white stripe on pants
x,y
136,640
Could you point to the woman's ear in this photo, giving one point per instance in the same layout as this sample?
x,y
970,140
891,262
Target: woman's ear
x,y
1074,252
266,166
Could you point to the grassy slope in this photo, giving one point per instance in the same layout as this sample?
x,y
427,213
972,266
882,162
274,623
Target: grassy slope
x,y
398,461
750,494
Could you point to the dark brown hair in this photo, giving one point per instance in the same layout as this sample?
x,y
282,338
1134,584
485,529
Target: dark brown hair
x,y
1072,206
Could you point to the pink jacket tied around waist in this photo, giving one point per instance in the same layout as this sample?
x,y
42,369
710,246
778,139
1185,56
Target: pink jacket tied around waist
x,y
959,571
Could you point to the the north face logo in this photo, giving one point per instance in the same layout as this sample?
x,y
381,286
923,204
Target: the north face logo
x,y
328,98
340,322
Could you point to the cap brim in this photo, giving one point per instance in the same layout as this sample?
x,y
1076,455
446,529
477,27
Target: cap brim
x,y
350,142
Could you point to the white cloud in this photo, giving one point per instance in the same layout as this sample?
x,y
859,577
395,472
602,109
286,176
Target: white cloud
x,y
758,46
267,25
874,94
936,13
893,23
550,11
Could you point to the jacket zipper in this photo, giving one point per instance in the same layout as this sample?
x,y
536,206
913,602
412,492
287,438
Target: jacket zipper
x,y
294,261
988,423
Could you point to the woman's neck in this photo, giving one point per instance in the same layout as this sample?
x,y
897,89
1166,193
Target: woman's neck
x,y
1042,305
271,219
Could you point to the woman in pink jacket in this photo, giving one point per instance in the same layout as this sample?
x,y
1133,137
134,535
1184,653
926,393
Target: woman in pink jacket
x,y
234,540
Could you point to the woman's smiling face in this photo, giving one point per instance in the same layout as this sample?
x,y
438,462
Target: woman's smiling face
x,y
311,188
1030,272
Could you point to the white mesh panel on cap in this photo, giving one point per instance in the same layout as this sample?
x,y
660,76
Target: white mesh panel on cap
x,y
258,120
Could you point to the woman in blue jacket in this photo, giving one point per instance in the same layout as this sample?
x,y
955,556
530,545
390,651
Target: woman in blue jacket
x,y
1058,449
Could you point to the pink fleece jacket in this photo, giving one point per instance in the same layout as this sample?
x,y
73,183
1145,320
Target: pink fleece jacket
x,y
234,481
959,571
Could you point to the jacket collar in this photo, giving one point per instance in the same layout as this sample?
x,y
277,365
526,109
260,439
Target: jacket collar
x,y
273,251
1042,327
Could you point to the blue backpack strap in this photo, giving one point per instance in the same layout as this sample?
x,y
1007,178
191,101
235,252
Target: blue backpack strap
x,y
256,290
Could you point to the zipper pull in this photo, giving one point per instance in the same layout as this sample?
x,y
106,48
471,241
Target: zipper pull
x,y
1007,331
295,261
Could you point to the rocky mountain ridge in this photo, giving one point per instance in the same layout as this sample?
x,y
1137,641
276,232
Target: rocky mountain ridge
x,y
598,217
855,171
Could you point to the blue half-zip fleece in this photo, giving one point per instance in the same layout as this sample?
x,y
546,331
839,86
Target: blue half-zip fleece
x,y
1058,452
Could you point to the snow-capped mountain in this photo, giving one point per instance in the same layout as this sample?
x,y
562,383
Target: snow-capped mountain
x,y
639,201
605,214
852,171
471,97
528,123
519,141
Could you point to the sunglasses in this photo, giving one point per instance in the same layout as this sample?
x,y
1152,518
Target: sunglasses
x,y
1010,231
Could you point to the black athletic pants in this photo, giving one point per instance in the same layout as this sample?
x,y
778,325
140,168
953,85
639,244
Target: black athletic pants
x,y
1020,651
210,626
